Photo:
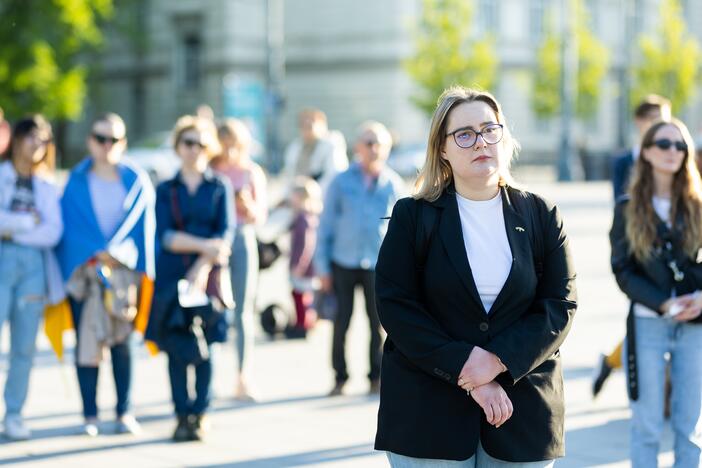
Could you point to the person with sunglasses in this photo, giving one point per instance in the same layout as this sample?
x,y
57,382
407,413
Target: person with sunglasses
x,y
195,228
656,237
651,109
351,228
30,226
476,290
108,212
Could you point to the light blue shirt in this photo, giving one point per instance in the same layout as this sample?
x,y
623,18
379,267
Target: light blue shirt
x,y
353,223
107,197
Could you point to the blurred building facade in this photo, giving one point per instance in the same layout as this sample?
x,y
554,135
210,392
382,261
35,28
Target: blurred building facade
x,y
345,57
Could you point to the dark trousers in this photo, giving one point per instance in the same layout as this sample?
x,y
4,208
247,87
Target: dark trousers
x,y
178,373
88,376
345,281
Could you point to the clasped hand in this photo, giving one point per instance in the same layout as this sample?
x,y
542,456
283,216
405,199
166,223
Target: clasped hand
x,y
477,378
217,251
480,368
687,307
494,402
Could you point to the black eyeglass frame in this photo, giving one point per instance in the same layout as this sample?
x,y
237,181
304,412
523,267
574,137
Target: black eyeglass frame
x,y
477,134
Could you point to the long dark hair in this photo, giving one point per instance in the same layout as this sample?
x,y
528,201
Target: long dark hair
x,y
685,203
22,129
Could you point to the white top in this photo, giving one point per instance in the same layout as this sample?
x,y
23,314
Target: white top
x,y
487,247
662,208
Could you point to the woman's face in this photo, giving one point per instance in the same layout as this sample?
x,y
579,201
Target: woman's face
x,y
107,142
663,155
32,147
474,146
192,150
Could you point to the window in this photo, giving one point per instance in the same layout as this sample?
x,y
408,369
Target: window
x,y
537,11
189,62
486,16
593,13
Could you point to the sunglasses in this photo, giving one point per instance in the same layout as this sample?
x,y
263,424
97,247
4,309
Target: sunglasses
x,y
190,143
102,139
666,143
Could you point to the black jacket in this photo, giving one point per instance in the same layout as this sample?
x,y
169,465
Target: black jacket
x,y
622,167
434,317
650,283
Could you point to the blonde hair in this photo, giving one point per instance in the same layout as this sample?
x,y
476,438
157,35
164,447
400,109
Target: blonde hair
x,y
237,130
113,119
685,202
310,192
436,174
200,124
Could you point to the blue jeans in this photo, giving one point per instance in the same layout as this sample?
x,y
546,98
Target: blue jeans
x,y
244,273
22,300
88,376
656,337
480,460
178,373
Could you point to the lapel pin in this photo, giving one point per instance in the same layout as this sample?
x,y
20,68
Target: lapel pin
x,y
519,228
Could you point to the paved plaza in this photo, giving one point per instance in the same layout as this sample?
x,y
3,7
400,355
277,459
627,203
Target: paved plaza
x,y
293,423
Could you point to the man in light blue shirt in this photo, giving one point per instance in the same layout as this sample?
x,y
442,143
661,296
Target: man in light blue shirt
x,y
351,229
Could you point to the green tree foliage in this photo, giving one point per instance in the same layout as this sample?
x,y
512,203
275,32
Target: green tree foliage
x,y
670,60
42,42
593,61
445,54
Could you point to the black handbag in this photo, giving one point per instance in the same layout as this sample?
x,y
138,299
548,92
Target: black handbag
x,y
268,253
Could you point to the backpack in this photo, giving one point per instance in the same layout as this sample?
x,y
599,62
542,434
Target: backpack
x,y
525,204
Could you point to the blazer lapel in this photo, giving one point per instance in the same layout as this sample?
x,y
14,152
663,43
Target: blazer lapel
x,y
518,236
451,233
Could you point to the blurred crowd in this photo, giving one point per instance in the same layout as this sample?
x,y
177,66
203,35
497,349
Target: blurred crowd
x,y
110,254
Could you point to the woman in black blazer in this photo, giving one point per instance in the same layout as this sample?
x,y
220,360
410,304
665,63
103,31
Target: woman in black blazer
x,y
656,238
476,290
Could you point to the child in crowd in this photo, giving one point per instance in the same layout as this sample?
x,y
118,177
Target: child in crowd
x,y
306,201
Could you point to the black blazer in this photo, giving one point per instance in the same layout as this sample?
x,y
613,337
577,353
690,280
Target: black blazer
x,y
434,317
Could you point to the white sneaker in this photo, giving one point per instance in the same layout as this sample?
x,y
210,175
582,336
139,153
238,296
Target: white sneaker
x,y
127,424
90,428
15,428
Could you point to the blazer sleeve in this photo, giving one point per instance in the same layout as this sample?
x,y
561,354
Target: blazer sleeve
x,y
631,280
410,326
538,334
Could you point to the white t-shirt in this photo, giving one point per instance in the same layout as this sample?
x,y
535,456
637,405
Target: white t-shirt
x,y
487,247
662,209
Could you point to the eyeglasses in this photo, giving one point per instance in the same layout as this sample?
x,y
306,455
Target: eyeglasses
x,y
467,137
667,143
103,139
190,143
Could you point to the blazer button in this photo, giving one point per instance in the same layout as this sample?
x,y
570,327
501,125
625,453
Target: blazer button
x,y
484,326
